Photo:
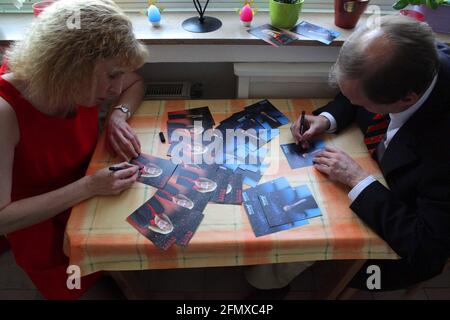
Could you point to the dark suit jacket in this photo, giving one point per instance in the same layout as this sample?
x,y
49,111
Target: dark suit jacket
x,y
413,215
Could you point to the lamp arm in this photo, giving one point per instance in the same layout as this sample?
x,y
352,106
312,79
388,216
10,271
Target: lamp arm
x,y
198,7
204,8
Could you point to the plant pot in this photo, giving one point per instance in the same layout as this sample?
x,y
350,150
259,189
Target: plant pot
x,y
347,12
439,19
284,15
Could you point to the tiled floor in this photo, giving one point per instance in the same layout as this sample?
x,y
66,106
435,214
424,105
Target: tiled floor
x,y
207,283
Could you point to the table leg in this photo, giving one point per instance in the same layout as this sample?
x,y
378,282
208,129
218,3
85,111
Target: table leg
x,y
343,272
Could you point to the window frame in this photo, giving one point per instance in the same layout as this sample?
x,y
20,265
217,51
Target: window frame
x,y
6,6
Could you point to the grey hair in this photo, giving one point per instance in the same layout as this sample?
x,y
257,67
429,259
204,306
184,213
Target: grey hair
x,y
390,61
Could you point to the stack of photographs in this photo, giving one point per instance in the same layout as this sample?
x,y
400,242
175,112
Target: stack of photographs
x,y
174,213
258,123
276,206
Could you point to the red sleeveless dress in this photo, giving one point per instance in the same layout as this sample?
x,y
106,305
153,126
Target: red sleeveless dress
x,y
52,153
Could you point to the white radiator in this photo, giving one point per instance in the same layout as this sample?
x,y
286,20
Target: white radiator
x,y
283,80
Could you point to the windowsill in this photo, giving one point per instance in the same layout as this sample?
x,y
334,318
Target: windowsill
x,y
13,26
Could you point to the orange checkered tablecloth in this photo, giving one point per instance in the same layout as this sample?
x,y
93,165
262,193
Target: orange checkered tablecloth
x,y
99,238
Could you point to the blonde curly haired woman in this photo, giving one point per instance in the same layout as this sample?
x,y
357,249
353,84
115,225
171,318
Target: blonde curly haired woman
x,y
50,86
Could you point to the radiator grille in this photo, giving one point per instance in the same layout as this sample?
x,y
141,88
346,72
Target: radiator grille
x,y
166,90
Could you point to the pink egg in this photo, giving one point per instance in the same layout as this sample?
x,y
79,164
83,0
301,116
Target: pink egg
x,y
246,13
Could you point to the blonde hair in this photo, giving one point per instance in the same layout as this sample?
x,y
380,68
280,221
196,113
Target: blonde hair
x,y
57,60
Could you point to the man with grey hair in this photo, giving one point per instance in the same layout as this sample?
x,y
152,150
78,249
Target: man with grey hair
x,y
394,81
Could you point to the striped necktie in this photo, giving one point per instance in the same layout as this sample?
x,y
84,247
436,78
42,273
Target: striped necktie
x,y
376,132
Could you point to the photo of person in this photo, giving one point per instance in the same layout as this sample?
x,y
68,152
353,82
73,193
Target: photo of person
x,y
161,224
192,185
200,184
154,171
204,185
177,198
150,170
152,220
175,194
165,223
183,201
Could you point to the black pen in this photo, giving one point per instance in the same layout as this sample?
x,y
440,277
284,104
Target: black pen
x,y
302,123
118,168
122,168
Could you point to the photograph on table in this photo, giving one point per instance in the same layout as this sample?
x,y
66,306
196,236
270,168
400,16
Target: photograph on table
x,y
202,114
252,177
191,186
298,157
164,223
255,211
267,114
155,171
229,190
191,122
289,205
186,128
188,150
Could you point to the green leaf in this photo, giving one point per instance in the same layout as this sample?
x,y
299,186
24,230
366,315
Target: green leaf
x,y
432,4
400,4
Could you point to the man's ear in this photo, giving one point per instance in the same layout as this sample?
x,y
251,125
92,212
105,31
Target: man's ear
x,y
410,99
407,101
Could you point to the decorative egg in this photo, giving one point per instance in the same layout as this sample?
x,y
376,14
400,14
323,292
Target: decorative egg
x,y
246,13
154,16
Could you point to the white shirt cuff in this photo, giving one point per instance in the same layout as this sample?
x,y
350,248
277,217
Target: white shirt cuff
x,y
333,124
354,193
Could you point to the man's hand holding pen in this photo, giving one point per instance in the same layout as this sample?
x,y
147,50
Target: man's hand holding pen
x,y
313,126
333,162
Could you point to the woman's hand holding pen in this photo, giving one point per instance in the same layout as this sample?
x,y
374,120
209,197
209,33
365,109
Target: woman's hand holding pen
x,y
313,126
109,181
120,137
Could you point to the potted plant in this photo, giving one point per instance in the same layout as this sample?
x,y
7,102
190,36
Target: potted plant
x,y
284,13
436,12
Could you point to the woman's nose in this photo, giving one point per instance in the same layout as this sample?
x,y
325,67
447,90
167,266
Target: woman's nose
x,y
115,88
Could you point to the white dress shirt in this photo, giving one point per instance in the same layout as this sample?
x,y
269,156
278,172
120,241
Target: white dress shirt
x,y
397,121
